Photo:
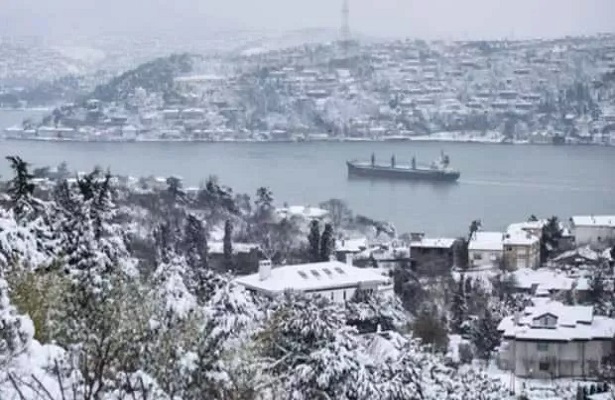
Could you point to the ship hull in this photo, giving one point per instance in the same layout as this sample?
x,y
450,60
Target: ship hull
x,y
418,174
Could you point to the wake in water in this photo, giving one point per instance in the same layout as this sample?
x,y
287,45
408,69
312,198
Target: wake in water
x,y
541,185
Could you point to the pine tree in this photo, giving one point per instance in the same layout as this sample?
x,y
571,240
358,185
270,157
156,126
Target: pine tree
x,y
327,243
21,188
195,243
228,244
458,308
597,295
314,241
485,335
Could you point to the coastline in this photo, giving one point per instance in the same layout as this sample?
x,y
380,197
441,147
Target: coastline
x,y
423,139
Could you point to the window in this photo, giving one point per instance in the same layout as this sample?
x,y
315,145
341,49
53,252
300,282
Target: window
x,y
344,295
543,366
542,346
331,296
477,256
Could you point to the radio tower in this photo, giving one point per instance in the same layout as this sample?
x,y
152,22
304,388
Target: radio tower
x,y
345,31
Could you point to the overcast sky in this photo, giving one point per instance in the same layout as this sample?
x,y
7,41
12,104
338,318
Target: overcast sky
x,y
414,18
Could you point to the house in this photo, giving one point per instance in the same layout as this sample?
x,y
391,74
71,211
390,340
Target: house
x,y
433,256
521,249
549,282
582,256
332,279
245,257
345,246
552,340
594,230
304,212
485,248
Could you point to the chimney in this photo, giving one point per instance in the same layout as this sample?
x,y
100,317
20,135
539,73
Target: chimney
x,y
349,259
264,269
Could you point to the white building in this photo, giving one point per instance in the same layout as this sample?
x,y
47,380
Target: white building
x,y
306,212
521,248
598,230
485,248
332,279
551,340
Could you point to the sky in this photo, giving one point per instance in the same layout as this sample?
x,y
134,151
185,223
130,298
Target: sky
x,y
428,19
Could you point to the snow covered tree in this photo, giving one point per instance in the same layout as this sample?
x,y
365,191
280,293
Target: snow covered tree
x,y
314,241
484,334
103,330
21,188
230,318
228,244
459,307
195,243
327,243
430,327
175,192
264,203
309,350
194,248
16,331
338,211
368,311
597,295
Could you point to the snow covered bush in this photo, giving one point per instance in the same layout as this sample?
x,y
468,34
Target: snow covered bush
x,y
16,331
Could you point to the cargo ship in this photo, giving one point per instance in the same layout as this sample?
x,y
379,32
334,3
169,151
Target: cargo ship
x,y
438,171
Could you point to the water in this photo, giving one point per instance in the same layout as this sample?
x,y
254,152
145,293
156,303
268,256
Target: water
x,y
499,184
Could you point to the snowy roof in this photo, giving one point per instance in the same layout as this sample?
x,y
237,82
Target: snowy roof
x,y
581,254
218,247
527,225
520,238
303,211
594,220
313,277
441,243
354,245
545,279
571,323
491,241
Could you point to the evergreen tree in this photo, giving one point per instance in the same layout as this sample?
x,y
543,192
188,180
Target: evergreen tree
x,y
264,202
174,193
21,188
314,241
459,308
195,243
597,294
228,244
327,243
484,334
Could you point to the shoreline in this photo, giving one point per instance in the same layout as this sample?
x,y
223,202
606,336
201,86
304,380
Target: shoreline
x,y
334,140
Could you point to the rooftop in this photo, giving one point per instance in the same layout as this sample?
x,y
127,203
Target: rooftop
x,y
594,220
487,241
520,237
441,243
569,323
313,277
303,211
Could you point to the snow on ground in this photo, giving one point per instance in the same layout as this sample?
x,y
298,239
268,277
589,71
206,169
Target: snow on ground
x,y
538,389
